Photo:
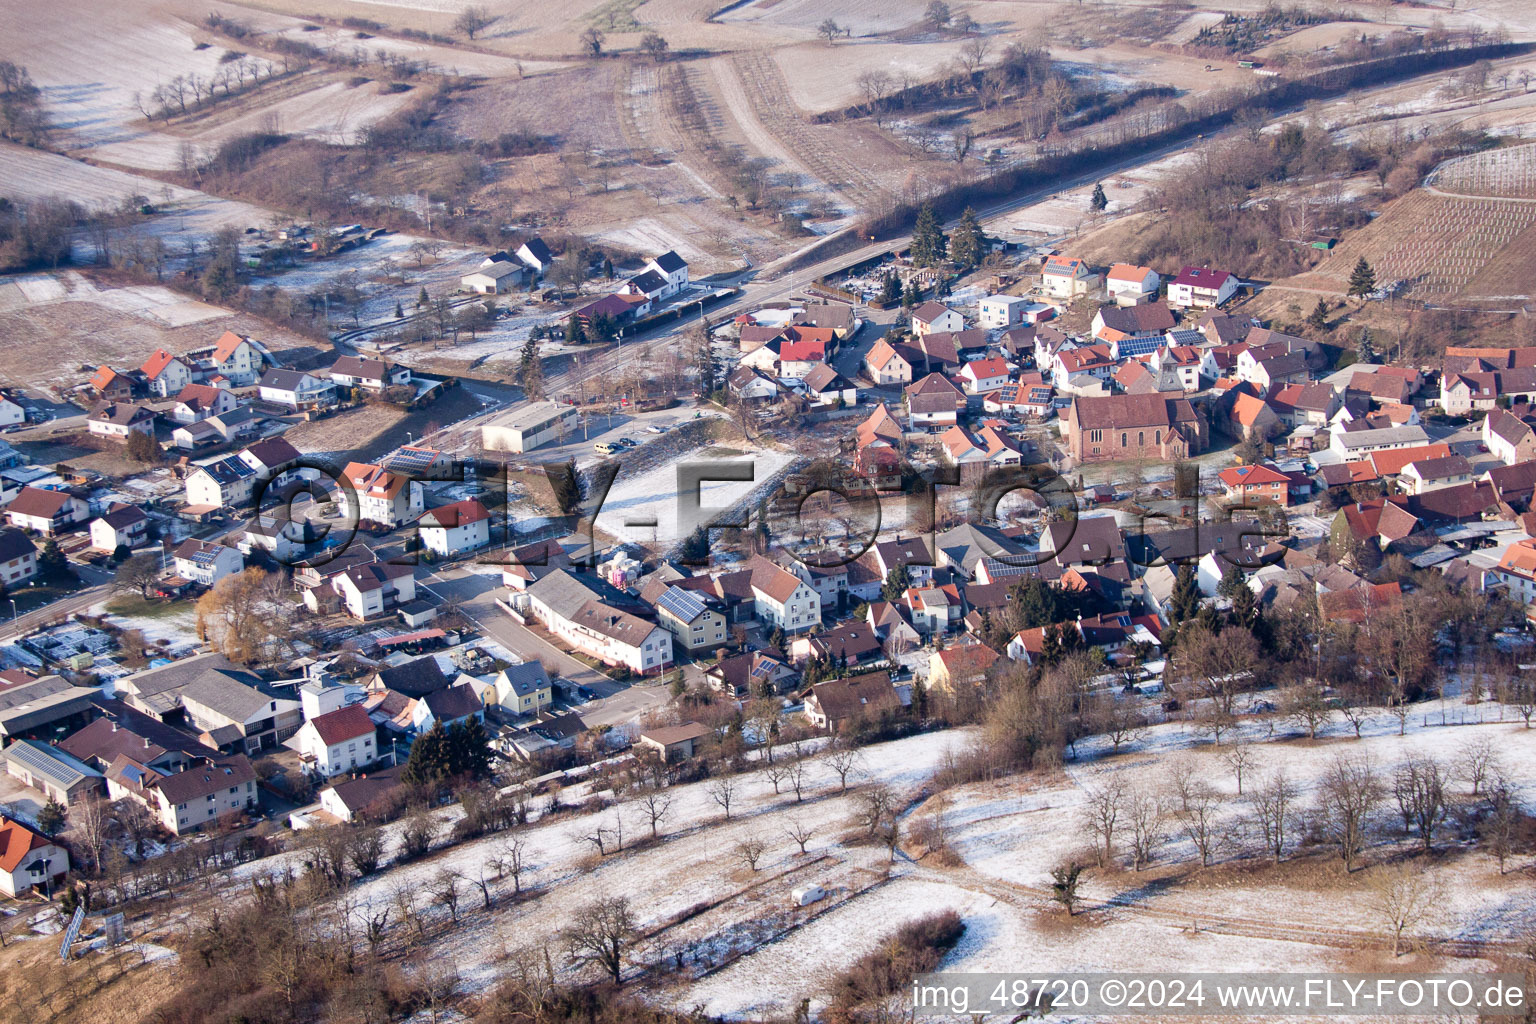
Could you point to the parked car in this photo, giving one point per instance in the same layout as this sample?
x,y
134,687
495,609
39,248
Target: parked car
x,y
629,442
605,448
655,428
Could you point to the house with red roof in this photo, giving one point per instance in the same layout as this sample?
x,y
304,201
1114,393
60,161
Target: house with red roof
x,y
110,385
1202,288
28,860
1253,484
1066,277
338,741
1128,284
166,374
982,375
455,529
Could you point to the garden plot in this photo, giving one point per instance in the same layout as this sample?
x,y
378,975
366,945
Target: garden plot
x,y
644,508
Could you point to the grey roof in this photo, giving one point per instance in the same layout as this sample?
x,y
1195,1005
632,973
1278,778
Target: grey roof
x,y
226,696
1407,435
538,250
496,271
670,262
414,678
526,679
159,689
565,592
966,545
284,380
51,763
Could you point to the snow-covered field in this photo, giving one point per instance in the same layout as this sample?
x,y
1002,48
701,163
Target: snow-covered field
x,y
751,951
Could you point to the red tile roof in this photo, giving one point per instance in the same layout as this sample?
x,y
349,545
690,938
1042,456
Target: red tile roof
x,y
16,841
343,724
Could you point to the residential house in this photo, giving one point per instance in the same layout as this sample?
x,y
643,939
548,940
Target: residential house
x,y
118,420
1429,474
205,562
673,270
18,558
591,616
111,386
373,588
853,646
780,599
933,404
45,511
535,255
456,529
389,499
1094,360
369,374
1270,365
1087,540
1066,277
674,742
751,674
935,316
982,375
165,374
28,860
295,389
192,436
232,357
750,384
128,731
886,364
837,316
352,799
694,618
1252,484
1129,285
523,689
56,774
225,482
824,386
1516,572
197,402
203,793
977,453
1118,325
1001,311
493,279
11,413
1201,287
1134,427
123,526
959,667
452,705
1300,405
838,704
1250,417
1510,437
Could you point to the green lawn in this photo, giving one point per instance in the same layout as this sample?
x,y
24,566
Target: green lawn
x,y
137,607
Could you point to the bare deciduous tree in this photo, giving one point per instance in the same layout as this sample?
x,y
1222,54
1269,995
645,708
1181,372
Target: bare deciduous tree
x,y
1102,807
1240,761
722,791
1148,820
845,762
656,807
1402,897
1418,787
1349,794
750,850
601,934
1477,762
1274,803
800,832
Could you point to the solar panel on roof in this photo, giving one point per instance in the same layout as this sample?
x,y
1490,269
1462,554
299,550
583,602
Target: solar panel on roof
x,y
1138,346
682,603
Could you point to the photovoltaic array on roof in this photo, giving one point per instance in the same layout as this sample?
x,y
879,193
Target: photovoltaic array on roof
x,y
684,604
1131,347
408,459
